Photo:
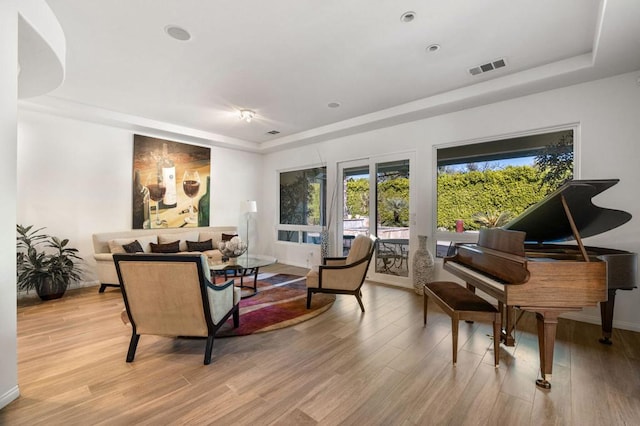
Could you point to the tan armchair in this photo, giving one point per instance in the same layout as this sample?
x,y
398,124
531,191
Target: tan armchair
x,y
343,275
172,295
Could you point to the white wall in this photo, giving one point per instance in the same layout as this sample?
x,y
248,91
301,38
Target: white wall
x,y
8,99
36,45
608,146
74,178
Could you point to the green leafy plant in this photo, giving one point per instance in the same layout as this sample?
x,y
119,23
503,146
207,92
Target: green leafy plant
x,y
357,197
396,212
492,219
45,261
463,195
555,163
393,199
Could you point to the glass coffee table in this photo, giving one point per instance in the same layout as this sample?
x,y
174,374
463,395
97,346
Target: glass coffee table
x,y
242,267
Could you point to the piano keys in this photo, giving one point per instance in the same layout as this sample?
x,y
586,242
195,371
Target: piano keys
x,y
518,267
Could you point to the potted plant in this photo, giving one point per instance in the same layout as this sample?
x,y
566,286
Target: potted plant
x,y
45,263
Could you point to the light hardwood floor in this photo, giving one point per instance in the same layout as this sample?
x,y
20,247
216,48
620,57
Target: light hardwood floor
x,y
343,367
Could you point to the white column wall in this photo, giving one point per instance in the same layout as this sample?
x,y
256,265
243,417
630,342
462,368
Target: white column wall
x,y
74,178
8,100
608,146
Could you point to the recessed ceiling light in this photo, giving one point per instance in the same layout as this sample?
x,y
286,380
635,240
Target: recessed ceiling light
x,y
178,33
333,104
408,16
247,115
433,48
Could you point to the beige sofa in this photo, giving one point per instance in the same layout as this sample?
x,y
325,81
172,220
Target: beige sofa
x,y
106,244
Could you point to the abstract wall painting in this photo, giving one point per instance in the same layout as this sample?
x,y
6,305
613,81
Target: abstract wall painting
x,y
170,184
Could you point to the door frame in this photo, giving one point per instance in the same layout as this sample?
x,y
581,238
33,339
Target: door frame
x,y
371,162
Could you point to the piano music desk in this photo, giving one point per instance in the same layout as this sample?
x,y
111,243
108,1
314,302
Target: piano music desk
x,y
461,303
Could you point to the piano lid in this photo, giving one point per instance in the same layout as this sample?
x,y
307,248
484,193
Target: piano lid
x,y
547,221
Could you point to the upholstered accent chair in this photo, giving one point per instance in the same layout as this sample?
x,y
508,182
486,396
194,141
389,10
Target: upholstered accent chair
x,y
343,275
172,295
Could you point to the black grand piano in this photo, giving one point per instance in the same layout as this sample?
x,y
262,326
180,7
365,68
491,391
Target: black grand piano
x,y
522,265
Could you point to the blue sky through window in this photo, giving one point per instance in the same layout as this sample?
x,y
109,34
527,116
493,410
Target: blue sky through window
x,y
495,165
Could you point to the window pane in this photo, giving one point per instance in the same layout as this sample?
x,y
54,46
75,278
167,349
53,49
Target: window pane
x,y
289,236
392,213
303,196
355,217
486,185
311,237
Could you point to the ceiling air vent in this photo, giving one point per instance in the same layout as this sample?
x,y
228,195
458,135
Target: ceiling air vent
x,y
498,63
273,132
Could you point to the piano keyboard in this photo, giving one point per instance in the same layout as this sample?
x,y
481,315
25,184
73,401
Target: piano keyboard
x,y
483,282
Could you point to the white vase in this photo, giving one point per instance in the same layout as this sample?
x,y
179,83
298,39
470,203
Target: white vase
x,y
423,265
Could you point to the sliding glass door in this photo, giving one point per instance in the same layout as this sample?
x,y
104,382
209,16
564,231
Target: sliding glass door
x,y
376,200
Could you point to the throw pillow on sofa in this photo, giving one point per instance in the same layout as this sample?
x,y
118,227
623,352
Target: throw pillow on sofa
x,y
173,247
133,247
228,237
199,245
180,236
115,245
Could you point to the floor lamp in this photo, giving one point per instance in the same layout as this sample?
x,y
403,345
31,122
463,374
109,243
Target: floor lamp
x,y
248,208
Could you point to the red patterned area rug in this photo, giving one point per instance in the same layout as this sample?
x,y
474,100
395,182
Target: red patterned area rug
x,y
281,302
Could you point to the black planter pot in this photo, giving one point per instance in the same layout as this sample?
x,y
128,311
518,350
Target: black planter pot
x,y
50,290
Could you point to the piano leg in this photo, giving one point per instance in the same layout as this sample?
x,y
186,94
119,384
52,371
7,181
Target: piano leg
x,y
547,326
508,319
606,315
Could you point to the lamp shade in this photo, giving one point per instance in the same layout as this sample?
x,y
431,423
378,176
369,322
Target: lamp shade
x,y
249,206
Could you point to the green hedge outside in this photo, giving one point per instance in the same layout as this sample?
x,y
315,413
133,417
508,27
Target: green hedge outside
x,y
490,192
460,196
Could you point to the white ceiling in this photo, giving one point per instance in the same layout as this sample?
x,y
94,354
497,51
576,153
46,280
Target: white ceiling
x,y
287,59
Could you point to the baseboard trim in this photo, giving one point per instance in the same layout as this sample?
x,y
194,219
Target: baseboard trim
x,y
9,396
591,319
32,293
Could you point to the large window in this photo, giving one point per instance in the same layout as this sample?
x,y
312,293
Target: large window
x,y
302,205
488,184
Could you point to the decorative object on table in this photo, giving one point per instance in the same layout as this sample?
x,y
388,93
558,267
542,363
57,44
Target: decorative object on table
x,y
169,161
248,208
423,265
244,271
45,263
191,187
232,249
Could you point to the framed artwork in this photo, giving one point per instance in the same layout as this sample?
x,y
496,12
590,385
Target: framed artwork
x,y
171,182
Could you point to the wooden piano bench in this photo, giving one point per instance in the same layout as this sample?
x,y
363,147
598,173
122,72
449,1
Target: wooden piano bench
x,y
461,303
